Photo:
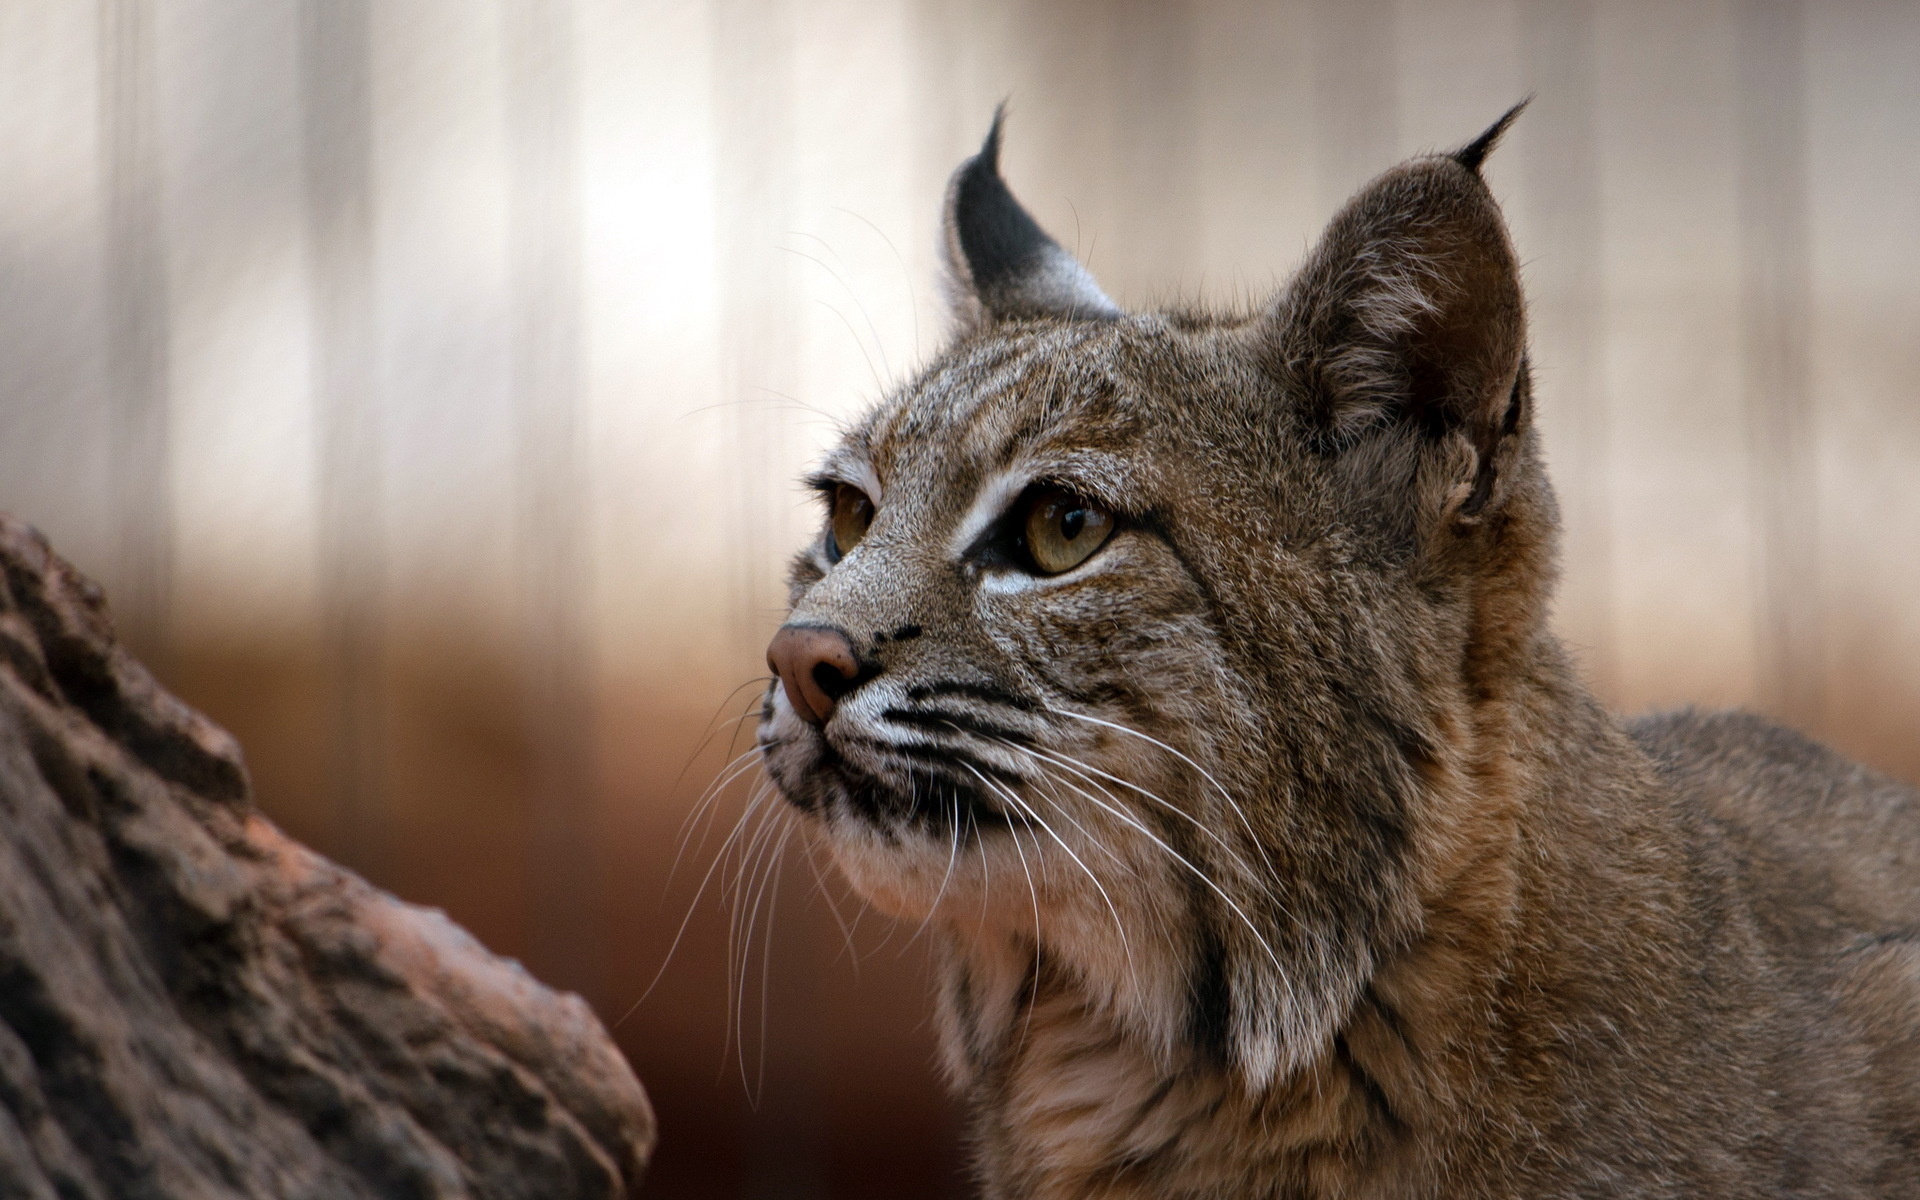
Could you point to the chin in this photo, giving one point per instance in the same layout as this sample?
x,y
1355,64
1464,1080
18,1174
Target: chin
x,y
907,846
908,875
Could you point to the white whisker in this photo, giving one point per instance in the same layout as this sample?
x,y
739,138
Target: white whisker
x,y
1088,772
953,854
693,905
778,859
738,767
1120,926
1197,872
771,841
740,928
1225,795
1013,831
826,893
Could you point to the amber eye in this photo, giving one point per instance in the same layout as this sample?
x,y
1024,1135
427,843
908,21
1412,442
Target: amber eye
x,y
1063,530
852,513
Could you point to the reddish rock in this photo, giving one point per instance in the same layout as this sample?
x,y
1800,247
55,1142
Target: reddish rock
x,y
194,1005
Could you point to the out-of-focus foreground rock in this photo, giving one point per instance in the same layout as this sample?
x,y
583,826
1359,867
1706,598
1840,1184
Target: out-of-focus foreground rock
x,y
192,1005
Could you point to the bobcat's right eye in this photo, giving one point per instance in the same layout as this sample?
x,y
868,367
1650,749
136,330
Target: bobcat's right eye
x,y
852,513
1063,530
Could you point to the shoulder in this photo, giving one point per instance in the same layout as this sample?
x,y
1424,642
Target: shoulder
x,y
1738,748
1795,801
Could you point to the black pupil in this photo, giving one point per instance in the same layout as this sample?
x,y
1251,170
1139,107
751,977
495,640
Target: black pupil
x,y
1072,523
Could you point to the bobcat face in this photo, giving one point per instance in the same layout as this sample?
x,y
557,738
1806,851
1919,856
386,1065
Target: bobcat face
x,y
1134,648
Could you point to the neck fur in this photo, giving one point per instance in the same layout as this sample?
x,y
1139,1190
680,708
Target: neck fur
x,y
1065,1087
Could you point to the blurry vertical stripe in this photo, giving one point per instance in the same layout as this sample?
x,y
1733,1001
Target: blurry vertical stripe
x,y
753,108
756,94
1355,94
137,344
1775,316
1156,175
941,116
336,93
1560,154
567,945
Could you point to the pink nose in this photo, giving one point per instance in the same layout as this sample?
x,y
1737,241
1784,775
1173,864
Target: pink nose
x,y
816,666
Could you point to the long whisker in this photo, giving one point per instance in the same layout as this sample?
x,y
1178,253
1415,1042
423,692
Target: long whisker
x,y
778,859
736,890
763,862
1092,776
1090,773
693,905
1032,891
825,892
1119,926
1205,878
741,765
723,778
739,951
748,852
1225,795
1052,782
1049,781
1148,738
953,854
986,877
1013,831
711,732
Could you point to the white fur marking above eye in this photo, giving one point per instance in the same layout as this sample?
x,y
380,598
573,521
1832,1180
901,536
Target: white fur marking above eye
x,y
1001,489
867,481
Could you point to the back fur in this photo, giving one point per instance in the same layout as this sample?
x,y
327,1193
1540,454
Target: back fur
x,y
1274,848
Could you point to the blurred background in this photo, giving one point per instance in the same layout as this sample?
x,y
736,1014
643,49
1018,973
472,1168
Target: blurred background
x,y
426,381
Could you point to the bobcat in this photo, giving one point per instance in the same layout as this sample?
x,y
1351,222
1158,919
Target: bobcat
x,y
1189,675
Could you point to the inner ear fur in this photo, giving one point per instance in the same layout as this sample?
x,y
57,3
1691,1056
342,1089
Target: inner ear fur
x,y
1403,336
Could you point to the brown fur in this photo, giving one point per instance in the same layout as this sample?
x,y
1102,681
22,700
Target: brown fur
x,y
1388,905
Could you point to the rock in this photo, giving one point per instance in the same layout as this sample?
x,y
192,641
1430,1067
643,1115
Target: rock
x,y
193,1005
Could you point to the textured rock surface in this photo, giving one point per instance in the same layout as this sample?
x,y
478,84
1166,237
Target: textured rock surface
x,y
192,1005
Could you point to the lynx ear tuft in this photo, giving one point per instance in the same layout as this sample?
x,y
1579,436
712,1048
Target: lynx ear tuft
x,y
1475,152
1000,264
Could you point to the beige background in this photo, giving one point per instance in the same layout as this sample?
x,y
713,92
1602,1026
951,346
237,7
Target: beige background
x,y
426,382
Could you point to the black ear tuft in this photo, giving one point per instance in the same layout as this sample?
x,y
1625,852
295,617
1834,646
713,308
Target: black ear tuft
x,y
1475,152
1001,264
999,238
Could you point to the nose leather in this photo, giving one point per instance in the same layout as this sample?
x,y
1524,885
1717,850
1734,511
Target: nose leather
x,y
816,666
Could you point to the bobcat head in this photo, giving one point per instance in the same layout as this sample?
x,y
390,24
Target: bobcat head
x,y
1142,654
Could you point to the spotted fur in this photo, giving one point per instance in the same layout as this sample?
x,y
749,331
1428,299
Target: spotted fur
x,y
1277,849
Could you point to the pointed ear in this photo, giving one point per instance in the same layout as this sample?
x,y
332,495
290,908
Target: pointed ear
x,y
1408,319
1000,264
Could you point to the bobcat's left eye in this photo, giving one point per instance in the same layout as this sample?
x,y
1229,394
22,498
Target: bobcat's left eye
x,y
1063,530
852,513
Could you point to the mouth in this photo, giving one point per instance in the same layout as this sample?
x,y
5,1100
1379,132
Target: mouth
x,y
934,793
